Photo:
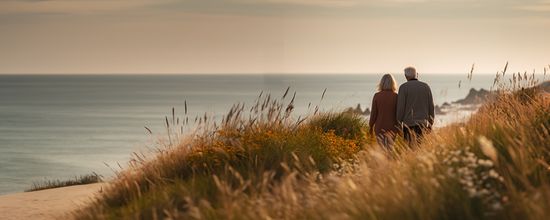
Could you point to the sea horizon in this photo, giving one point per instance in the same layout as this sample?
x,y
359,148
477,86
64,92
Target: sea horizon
x,y
465,73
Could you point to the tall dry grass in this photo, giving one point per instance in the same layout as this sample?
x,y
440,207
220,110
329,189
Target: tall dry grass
x,y
265,165
252,149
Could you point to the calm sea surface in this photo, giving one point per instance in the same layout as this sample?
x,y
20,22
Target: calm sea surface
x,y
60,126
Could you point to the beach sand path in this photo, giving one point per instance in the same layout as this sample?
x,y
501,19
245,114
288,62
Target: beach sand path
x,y
48,204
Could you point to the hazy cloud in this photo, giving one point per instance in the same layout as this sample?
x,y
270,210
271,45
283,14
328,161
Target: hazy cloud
x,y
542,6
421,8
73,6
383,8
174,36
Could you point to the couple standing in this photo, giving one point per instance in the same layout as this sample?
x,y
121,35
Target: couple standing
x,y
409,112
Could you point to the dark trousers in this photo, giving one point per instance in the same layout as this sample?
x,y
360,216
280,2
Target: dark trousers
x,y
413,134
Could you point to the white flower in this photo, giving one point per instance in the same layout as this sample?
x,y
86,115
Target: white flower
x,y
434,182
471,192
485,163
494,174
497,206
484,192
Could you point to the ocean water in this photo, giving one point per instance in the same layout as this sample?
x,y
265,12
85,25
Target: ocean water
x,y
61,126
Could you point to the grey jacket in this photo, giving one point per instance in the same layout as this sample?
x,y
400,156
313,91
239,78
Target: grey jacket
x,y
415,104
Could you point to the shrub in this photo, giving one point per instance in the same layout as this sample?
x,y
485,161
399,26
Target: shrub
x,y
79,180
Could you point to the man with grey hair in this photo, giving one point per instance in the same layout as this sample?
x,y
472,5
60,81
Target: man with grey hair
x,y
415,107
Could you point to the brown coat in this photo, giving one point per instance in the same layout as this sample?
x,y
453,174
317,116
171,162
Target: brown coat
x,y
382,117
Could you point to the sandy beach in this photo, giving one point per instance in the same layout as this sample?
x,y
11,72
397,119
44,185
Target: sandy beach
x,y
48,204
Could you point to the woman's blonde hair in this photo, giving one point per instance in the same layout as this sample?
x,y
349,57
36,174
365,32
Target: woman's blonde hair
x,y
387,83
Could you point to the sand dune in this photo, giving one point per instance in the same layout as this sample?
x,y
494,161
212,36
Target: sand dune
x,y
48,204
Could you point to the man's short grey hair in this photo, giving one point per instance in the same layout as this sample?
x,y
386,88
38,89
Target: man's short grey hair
x,y
410,72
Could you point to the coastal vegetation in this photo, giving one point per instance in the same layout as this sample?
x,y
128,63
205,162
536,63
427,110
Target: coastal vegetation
x,y
78,180
262,163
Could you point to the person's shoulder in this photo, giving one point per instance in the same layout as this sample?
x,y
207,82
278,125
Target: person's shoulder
x,y
385,93
424,84
392,94
416,83
379,93
404,85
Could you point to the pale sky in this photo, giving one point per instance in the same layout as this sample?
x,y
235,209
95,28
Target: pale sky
x,y
272,36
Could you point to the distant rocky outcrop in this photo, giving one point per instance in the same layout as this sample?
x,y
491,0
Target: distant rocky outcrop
x,y
439,110
475,97
545,86
358,110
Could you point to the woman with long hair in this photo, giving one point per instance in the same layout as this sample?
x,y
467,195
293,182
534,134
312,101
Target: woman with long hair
x,y
383,120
